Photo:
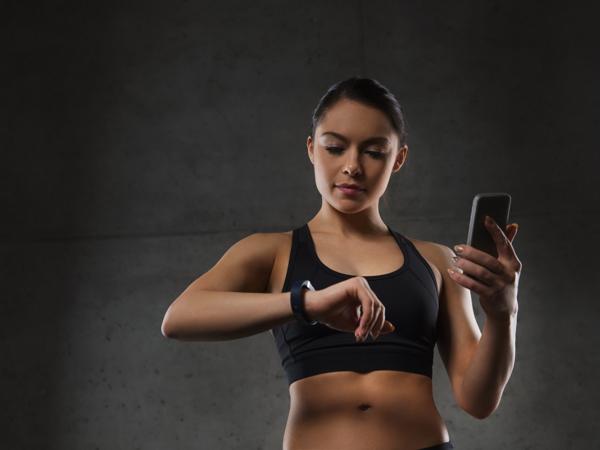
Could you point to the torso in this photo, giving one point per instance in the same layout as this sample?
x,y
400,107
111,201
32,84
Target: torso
x,y
382,409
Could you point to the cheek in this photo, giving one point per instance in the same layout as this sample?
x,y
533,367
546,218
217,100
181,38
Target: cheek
x,y
324,171
325,177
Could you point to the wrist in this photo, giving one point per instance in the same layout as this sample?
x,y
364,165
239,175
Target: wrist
x,y
309,301
298,291
504,319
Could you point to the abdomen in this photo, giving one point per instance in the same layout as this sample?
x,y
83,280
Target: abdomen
x,y
380,409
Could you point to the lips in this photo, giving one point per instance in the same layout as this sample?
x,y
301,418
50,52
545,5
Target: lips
x,y
350,186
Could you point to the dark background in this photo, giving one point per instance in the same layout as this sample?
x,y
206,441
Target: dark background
x,y
140,141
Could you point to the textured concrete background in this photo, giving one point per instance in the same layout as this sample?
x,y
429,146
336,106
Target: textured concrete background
x,y
139,142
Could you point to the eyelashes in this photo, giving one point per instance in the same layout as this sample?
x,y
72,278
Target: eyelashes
x,y
339,150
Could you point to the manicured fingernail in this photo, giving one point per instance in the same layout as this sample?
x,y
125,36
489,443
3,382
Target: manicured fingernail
x,y
458,248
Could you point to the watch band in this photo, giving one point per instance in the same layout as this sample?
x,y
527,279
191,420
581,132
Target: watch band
x,y
297,301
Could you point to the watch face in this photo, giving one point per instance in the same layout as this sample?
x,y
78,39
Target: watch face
x,y
309,285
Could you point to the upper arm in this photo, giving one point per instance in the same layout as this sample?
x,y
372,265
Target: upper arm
x,y
245,267
458,331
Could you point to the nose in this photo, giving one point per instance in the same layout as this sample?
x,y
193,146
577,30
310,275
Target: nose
x,y
352,163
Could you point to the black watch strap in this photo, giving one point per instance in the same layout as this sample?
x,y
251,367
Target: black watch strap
x,y
297,301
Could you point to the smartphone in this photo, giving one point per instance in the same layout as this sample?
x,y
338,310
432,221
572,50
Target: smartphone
x,y
493,204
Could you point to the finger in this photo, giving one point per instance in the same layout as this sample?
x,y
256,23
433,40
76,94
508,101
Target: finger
x,y
378,322
513,231
366,302
378,314
372,324
479,257
470,283
503,244
480,273
388,327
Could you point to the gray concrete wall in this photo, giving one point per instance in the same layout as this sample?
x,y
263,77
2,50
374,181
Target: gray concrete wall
x,y
129,129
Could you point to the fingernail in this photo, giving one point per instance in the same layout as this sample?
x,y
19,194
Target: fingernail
x,y
458,248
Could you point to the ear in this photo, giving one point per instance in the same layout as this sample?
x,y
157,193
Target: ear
x,y
310,148
400,158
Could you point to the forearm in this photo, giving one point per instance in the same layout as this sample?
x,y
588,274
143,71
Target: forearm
x,y
219,315
490,367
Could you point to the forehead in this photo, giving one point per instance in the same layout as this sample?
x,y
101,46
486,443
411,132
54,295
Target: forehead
x,y
355,119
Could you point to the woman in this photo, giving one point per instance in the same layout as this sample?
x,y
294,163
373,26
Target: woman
x,y
346,271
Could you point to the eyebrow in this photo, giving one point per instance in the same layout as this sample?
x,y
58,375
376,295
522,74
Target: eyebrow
x,y
371,140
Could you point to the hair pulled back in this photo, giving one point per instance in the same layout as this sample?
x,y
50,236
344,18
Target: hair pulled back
x,y
369,92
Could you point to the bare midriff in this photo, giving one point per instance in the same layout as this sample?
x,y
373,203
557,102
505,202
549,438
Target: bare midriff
x,y
382,409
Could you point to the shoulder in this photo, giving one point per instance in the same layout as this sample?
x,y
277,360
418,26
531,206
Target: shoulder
x,y
244,267
274,239
274,243
281,245
434,251
268,244
439,257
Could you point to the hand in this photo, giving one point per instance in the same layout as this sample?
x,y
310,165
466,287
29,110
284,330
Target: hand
x,y
337,306
495,280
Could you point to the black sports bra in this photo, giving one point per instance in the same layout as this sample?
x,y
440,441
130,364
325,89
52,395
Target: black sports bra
x,y
409,294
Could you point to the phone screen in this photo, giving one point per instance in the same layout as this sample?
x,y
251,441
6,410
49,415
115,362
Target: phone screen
x,y
497,206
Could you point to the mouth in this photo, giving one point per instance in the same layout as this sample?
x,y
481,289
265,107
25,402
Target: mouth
x,y
348,189
354,187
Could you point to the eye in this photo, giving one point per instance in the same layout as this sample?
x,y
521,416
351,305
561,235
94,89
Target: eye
x,y
376,155
373,154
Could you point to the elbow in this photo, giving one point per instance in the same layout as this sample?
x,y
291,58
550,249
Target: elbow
x,y
164,330
478,411
166,327
481,414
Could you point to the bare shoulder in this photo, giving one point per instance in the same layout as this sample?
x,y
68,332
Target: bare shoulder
x,y
433,249
437,255
245,266
283,241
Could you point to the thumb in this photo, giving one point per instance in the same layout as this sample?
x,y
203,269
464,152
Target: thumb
x,y
513,228
388,327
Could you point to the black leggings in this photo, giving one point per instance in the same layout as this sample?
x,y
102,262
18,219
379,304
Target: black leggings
x,y
443,446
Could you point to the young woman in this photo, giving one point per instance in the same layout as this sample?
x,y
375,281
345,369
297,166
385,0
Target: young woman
x,y
347,272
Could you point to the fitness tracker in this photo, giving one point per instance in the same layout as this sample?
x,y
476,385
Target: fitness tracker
x,y
297,301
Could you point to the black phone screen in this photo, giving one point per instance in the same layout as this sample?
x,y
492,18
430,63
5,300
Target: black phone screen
x,y
497,206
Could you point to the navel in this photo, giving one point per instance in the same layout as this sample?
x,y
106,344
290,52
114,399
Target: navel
x,y
364,406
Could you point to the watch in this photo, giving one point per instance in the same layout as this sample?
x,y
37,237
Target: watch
x,y
297,301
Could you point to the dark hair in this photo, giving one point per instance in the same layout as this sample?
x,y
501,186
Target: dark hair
x,y
368,91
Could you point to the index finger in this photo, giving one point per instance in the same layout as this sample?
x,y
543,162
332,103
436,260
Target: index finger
x,y
366,302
